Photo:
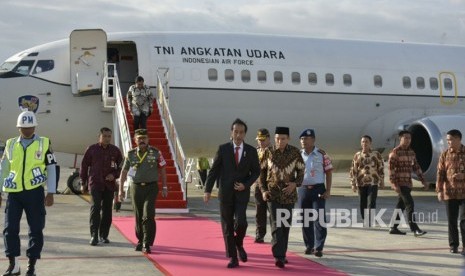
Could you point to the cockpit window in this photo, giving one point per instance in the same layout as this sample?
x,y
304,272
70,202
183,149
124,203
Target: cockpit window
x,y
43,66
23,67
7,66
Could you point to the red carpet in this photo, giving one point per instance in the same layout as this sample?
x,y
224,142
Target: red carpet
x,y
195,246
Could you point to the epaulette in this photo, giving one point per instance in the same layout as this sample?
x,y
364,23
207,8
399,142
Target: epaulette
x,y
321,151
154,148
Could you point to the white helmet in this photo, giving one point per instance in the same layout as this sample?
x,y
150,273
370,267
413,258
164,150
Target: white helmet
x,y
27,119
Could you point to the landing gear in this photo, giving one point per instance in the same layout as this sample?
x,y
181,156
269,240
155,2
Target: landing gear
x,y
74,183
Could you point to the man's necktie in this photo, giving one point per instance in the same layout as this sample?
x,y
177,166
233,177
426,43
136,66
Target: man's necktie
x,y
236,155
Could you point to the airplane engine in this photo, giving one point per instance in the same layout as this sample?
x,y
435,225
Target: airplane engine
x,y
429,140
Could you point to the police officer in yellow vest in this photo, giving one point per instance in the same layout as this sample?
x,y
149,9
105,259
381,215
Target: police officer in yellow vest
x,y
142,165
27,164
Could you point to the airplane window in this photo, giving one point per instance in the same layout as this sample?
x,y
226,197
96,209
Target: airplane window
x,y
433,83
295,77
245,75
329,79
278,77
407,82
447,84
261,76
347,79
23,67
212,74
378,81
420,83
8,66
43,66
229,75
312,78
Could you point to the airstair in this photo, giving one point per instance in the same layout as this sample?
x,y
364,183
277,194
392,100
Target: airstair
x,y
162,135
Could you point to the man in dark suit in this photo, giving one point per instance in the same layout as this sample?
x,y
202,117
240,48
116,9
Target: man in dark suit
x,y
236,168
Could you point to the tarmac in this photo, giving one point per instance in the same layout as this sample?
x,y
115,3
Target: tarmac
x,y
353,250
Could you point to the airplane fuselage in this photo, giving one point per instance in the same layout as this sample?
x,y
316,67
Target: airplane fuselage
x,y
342,89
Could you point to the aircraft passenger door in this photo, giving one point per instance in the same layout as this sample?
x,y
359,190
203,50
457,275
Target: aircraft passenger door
x,y
447,88
88,53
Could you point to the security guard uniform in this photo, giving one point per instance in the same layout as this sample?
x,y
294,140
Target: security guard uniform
x,y
27,164
143,169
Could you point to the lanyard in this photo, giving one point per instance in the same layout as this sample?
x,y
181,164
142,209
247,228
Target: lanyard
x,y
141,158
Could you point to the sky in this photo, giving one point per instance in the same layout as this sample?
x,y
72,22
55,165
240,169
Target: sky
x,y
27,23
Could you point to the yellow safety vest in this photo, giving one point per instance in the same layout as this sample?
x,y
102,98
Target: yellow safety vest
x,y
27,166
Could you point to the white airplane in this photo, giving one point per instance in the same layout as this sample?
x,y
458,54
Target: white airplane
x,y
343,89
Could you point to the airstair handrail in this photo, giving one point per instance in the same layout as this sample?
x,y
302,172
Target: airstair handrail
x,y
171,132
120,123
110,78
121,118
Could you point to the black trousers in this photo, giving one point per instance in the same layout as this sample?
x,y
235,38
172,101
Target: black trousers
x,y
140,121
405,203
143,203
234,225
32,202
455,209
368,195
101,213
279,233
314,234
261,208
203,176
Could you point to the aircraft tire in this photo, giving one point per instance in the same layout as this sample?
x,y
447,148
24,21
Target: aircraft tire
x,y
74,183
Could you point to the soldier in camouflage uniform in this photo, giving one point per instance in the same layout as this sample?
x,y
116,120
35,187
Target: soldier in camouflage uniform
x,y
142,165
261,207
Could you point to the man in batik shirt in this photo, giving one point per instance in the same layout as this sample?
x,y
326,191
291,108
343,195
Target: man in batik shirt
x,y
402,161
366,174
281,171
450,187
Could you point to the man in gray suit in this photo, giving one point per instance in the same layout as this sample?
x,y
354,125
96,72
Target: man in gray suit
x,y
236,168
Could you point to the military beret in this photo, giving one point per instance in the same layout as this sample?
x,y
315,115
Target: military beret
x,y
307,133
262,134
282,130
140,132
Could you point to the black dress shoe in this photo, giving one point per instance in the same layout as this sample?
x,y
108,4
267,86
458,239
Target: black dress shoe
x,y
30,272
259,240
242,254
13,268
279,263
104,240
31,267
93,241
147,249
309,251
286,261
318,253
454,250
138,247
418,233
395,231
233,263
